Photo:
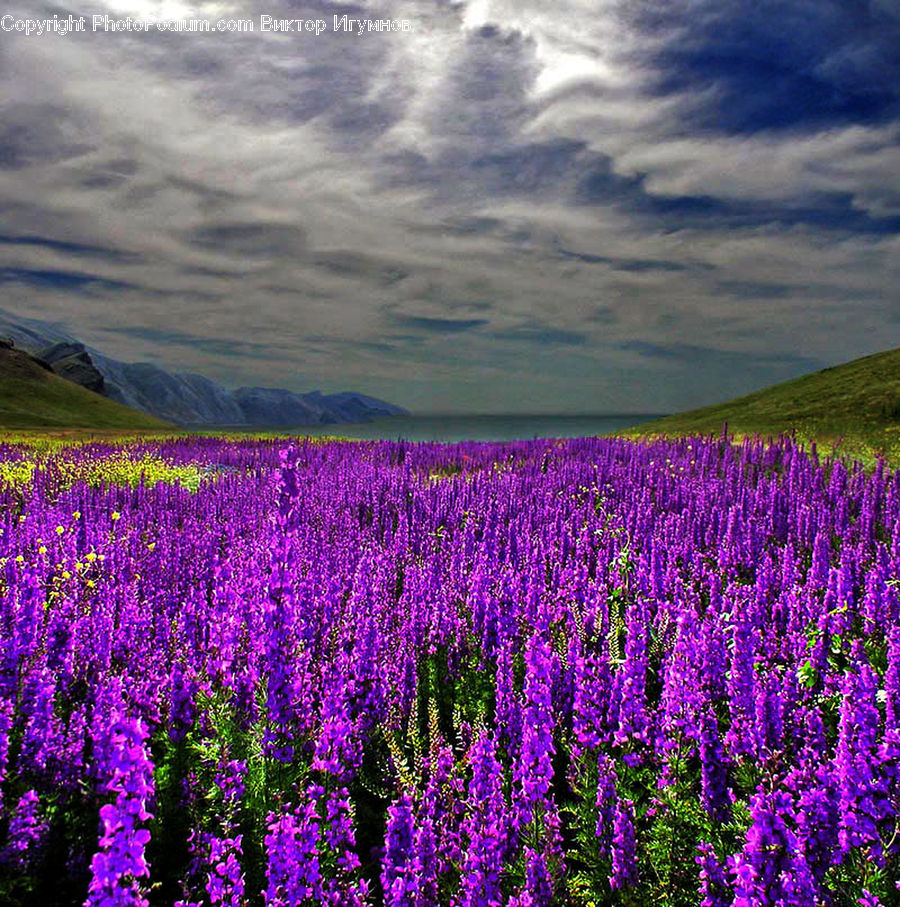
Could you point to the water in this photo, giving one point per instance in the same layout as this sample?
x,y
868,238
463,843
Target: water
x,y
482,428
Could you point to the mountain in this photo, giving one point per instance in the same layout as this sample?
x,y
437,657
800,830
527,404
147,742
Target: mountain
x,y
182,397
354,407
269,406
856,400
33,396
73,362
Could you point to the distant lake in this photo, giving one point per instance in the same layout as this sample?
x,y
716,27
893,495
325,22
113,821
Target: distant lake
x,y
481,428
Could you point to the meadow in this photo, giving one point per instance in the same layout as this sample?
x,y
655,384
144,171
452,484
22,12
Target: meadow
x,y
583,672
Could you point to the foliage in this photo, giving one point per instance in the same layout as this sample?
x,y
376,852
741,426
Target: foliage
x,y
589,672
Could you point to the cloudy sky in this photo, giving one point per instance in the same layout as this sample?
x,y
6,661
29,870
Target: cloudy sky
x,y
516,205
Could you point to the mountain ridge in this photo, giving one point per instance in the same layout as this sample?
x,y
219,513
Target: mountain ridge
x,y
186,398
32,395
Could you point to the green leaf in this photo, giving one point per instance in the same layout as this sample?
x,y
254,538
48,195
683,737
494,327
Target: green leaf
x,y
806,674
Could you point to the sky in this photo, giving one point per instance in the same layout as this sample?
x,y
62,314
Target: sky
x,y
505,206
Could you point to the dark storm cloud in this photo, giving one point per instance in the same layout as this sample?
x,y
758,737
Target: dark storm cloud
x,y
68,281
359,265
39,133
772,65
624,264
250,238
757,289
242,348
439,325
558,196
600,186
79,250
688,354
541,335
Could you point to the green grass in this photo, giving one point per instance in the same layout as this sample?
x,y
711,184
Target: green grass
x,y
853,408
47,401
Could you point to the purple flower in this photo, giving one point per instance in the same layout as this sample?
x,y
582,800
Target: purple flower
x,y
225,881
863,788
6,723
714,888
713,769
27,833
397,878
534,772
624,858
539,879
590,720
606,801
631,683
772,871
293,872
120,863
485,827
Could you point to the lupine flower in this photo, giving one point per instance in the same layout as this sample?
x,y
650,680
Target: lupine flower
x,y
120,862
6,723
771,870
397,878
590,718
485,828
293,872
535,769
863,792
714,888
539,879
225,882
607,801
27,833
631,686
624,858
713,769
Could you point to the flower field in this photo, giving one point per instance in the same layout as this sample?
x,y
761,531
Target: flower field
x,y
581,672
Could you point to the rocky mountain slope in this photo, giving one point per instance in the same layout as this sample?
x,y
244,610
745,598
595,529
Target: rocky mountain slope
x,y
33,396
183,397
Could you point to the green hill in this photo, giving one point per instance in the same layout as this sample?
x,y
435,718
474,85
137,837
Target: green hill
x,y
32,396
857,403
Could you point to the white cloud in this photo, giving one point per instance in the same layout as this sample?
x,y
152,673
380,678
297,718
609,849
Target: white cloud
x,y
311,193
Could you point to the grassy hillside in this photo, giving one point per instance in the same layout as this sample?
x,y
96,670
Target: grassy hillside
x,y
33,397
856,405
